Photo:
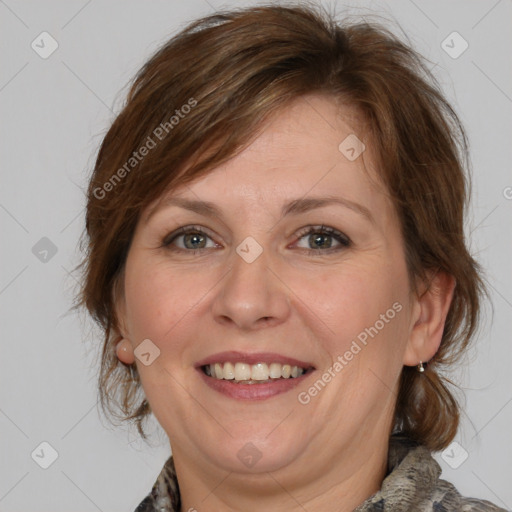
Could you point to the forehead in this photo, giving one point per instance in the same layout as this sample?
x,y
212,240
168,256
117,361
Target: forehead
x,y
315,142
313,147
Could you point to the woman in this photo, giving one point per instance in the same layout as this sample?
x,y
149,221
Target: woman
x,y
277,258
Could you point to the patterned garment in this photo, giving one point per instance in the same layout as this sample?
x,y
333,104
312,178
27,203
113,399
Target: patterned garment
x,y
412,485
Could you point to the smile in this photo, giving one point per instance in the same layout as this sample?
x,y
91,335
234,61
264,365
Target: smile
x,y
252,376
245,373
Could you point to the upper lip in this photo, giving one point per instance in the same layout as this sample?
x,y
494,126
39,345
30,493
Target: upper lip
x,y
252,358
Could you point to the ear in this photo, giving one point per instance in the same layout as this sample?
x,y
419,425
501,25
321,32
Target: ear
x,y
428,318
124,348
124,351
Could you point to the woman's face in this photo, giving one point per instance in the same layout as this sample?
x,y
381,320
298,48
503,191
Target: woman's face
x,y
291,257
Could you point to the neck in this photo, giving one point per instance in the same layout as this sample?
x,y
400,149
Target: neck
x,y
346,480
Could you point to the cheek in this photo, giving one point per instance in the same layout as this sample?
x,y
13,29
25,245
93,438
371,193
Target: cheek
x,y
158,300
365,303
370,338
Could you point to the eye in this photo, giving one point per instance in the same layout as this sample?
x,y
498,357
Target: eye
x,y
321,239
318,240
189,239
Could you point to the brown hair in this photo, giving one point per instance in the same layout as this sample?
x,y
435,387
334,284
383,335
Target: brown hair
x,y
202,98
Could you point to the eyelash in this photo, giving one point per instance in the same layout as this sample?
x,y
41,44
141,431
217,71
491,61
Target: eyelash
x,y
341,238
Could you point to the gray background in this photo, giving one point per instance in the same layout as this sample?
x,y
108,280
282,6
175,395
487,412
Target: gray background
x,y
54,114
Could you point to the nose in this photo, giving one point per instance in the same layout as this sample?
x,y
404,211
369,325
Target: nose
x,y
251,295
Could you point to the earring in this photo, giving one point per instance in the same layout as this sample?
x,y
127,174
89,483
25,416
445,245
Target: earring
x,y
420,367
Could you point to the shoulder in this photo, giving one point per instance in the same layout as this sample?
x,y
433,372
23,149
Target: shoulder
x,y
447,495
164,496
413,483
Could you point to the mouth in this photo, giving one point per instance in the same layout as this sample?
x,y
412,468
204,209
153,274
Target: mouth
x,y
252,376
245,373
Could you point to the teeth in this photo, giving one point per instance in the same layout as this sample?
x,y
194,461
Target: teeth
x,y
242,372
247,373
275,371
228,372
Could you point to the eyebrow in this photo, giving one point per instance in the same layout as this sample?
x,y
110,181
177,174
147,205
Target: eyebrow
x,y
295,207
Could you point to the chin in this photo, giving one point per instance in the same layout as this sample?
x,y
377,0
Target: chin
x,y
257,450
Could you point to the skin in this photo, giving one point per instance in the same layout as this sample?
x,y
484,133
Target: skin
x,y
307,305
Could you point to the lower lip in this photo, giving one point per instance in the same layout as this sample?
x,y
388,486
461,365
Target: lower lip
x,y
252,391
